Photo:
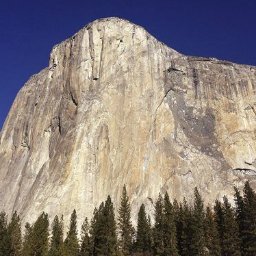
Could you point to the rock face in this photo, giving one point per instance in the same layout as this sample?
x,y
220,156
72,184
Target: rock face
x,y
116,106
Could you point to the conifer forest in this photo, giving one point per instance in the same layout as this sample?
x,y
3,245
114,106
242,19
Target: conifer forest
x,y
175,229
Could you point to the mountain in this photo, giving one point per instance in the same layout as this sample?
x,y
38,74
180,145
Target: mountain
x,y
116,106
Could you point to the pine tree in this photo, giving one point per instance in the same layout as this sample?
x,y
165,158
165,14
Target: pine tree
x,y
230,239
150,235
158,230
143,239
85,239
40,236
183,227
71,244
56,245
249,221
219,218
14,231
103,230
240,216
94,228
5,243
126,230
110,228
197,246
27,241
212,240
169,228
99,232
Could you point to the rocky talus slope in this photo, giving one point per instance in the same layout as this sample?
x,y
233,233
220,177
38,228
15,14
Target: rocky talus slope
x,y
116,106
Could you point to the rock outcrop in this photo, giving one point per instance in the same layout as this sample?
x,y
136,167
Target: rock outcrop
x,y
116,106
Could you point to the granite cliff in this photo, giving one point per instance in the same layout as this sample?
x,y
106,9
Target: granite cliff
x,y
116,106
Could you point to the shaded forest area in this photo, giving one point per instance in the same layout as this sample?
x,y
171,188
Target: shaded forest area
x,y
176,229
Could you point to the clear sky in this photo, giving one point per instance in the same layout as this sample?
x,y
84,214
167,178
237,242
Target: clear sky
x,y
224,29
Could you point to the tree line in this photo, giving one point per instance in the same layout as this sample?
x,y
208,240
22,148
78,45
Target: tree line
x,y
177,229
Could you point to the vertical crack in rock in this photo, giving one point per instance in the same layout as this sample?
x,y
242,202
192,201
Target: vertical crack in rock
x,y
73,99
253,109
196,83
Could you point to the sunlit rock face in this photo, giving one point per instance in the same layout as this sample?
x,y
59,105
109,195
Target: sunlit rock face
x,y
116,106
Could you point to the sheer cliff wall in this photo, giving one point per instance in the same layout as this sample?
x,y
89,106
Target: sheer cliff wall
x,y
116,106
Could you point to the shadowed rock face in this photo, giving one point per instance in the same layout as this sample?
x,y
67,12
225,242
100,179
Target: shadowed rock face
x,y
116,106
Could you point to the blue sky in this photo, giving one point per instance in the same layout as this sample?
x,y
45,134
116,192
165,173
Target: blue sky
x,y
223,29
